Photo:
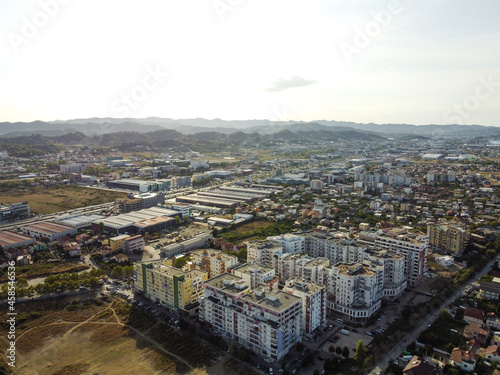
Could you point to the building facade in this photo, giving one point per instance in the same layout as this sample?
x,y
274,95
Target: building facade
x,y
169,286
267,323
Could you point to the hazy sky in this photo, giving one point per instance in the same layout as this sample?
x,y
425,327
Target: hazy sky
x,y
407,61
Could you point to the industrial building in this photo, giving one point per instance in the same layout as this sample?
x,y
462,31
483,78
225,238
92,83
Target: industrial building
x,y
11,239
154,219
208,201
141,186
78,221
14,211
199,241
136,202
48,231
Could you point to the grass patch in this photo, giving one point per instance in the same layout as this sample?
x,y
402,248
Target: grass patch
x,y
256,230
31,271
108,334
37,337
74,369
47,200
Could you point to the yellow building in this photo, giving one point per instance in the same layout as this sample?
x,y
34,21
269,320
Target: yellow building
x,y
116,243
448,236
170,286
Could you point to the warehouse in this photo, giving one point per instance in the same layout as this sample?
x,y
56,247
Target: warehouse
x,y
154,219
78,221
141,186
48,231
208,201
11,239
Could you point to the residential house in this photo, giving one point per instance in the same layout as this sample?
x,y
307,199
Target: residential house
x,y
477,331
492,353
493,321
462,359
418,366
472,315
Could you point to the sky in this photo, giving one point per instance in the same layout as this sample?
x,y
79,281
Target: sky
x,y
393,61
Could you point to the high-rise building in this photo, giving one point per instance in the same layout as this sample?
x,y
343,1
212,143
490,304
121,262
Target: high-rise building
x,y
171,287
448,236
214,262
313,302
267,323
359,289
413,245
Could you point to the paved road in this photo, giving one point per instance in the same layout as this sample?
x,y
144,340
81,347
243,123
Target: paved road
x,y
413,335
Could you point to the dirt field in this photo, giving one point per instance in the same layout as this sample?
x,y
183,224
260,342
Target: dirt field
x,y
101,336
46,200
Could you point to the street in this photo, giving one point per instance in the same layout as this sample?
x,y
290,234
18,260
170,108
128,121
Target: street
x,y
381,365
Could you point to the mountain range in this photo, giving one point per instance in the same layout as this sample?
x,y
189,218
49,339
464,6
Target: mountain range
x,y
320,128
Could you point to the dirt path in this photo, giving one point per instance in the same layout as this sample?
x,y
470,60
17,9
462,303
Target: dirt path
x,y
118,321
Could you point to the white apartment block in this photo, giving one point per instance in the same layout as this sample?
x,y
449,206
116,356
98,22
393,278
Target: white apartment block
x,y
257,276
335,247
215,262
290,243
262,252
315,270
267,323
313,302
358,290
287,265
395,281
413,245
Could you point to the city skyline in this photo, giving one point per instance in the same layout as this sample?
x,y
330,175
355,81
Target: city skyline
x,y
380,62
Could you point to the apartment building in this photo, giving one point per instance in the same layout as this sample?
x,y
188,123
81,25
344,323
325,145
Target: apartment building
x,y
212,261
116,243
171,287
313,298
358,290
314,270
257,276
263,252
134,244
402,240
393,264
286,264
335,247
449,237
290,243
267,323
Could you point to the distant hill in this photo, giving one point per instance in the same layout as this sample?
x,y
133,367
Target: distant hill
x,y
286,130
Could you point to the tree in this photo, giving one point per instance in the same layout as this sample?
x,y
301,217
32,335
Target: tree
x,y
331,348
177,219
345,352
117,272
180,262
22,283
444,315
316,372
360,355
338,350
101,227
